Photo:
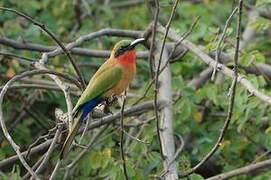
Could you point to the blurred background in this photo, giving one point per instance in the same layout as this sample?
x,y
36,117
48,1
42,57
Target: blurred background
x,y
199,111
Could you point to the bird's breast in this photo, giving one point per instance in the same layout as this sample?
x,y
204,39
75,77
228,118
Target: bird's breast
x,y
128,75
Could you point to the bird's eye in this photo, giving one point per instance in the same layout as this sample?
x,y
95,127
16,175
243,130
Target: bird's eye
x,y
124,46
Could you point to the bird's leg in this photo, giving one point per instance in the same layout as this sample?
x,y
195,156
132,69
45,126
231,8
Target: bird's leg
x,y
107,110
111,100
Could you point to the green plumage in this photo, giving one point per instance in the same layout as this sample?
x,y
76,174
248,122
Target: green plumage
x,y
111,79
104,79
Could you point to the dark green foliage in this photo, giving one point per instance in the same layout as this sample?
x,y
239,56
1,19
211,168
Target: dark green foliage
x,y
198,115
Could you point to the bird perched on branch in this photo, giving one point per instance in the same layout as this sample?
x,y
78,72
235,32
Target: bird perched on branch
x,y
111,79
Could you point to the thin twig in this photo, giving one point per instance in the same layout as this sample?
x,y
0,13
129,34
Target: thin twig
x,y
184,36
46,136
26,59
243,170
6,133
84,151
135,138
45,29
157,74
85,129
232,91
179,150
50,150
168,133
122,138
52,177
74,50
223,69
140,108
154,26
222,37
38,86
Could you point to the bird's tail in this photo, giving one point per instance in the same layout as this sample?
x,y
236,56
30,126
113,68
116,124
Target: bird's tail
x,y
67,144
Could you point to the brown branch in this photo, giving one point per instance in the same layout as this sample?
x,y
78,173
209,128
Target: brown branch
x,y
37,86
184,36
222,68
93,35
76,51
3,126
153,33
222,37
84,151
231,99
165,136
52,177
122,138
50,150
243,170
25,59
140,108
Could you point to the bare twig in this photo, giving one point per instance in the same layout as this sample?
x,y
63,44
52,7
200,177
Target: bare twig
x,y
26,60
122,137
43,137
135,138
5,131
154,26
222,37
84,151
158,70
44,28
75,50
243,170
52,177
166,142
140,108
38,86
93,35
231,99
179,150
223,69
170,57
50,150
184,36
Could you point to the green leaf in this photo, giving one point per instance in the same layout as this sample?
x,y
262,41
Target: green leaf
x,y
196,177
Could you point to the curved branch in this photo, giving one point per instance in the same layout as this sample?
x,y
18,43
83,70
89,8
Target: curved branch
x,y
44,28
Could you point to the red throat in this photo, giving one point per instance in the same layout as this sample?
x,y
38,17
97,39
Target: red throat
x,y
128,57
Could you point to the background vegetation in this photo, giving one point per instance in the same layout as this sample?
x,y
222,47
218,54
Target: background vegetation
x,y
199,113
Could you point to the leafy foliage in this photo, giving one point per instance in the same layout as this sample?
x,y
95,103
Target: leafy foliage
x,y
198,114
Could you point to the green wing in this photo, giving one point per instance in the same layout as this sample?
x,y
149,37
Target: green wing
x,y
105,78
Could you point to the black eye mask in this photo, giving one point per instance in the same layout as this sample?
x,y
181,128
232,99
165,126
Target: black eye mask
x,y
123,49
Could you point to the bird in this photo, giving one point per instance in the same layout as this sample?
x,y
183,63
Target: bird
x,y
110,80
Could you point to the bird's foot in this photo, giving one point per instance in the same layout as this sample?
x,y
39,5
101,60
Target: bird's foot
x,y
107,110
111,100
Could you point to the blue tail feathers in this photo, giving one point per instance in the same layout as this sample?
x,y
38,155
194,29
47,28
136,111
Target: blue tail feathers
x,y
88,106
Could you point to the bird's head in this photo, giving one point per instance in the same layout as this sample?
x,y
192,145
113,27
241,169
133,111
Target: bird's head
x,y
125,49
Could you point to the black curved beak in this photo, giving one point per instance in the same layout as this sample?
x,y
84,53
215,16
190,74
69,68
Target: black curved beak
x,y
136,42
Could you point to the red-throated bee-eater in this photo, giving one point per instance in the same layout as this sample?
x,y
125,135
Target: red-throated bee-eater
x,y
111,79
